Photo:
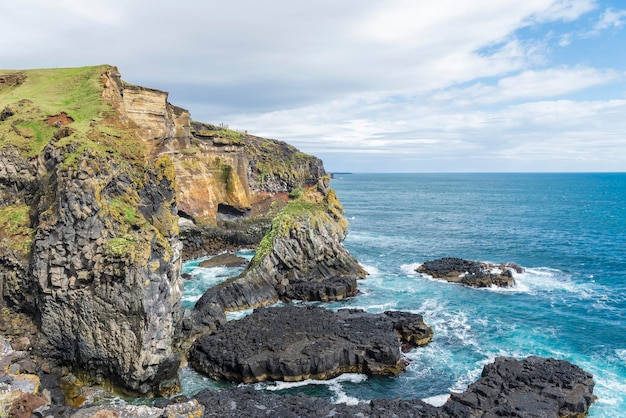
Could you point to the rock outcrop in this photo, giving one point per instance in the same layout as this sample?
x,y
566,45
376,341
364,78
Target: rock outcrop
x,y
531,388
89,227
534,387
470,273
301,257
297,343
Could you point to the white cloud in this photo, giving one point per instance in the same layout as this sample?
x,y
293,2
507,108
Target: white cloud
x,y
401,83
611,20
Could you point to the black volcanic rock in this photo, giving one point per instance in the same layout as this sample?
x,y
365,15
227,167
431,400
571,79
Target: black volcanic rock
x,y
224,260
534,387
531,388
297,343
470,273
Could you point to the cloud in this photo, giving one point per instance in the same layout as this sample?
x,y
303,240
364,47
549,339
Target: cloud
x,y
611,20
403,85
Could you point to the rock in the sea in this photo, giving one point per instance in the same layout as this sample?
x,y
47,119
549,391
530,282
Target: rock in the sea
x,y
224,260
296,343
531,388
301,257
534,387
470,273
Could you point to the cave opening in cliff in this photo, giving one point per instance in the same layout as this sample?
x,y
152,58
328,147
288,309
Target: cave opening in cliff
x,y
226,212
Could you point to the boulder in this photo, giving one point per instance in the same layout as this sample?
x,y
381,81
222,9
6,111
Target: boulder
x,y
224,260
296,343
470,273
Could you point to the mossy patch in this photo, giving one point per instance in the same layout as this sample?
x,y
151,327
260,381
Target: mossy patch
x,y
15,228
75,92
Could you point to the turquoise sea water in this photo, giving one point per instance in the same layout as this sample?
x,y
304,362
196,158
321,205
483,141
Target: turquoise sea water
x,y
567,230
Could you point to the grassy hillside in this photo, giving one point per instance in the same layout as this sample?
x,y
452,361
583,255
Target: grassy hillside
x,y
49,99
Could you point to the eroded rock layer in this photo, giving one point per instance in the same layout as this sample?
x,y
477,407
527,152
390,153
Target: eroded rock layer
x,y
297,343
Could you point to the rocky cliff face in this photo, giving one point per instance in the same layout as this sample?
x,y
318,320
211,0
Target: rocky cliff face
x,y
93,173
88,226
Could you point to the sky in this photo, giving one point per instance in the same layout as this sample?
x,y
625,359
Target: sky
x,y
366,85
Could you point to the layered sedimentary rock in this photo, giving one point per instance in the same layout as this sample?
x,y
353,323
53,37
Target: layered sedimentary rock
x,y
301,257
470,273
297,343
535,387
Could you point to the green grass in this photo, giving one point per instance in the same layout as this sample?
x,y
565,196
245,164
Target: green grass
x,y
75,91
48,92
15,227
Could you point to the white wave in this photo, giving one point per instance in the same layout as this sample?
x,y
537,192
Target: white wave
x,y
333,385
373,271
409,269
233,316
621,353
191,298
437,400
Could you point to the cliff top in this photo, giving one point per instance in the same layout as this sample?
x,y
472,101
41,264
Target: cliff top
x,y
39,102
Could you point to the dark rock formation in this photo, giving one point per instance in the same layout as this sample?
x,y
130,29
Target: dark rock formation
x,y
200,241
297,343
88,231
534,387
470,273
224,260
531,388
247,402
300,257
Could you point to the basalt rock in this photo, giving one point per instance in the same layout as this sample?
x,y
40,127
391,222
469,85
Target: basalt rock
x,y
88,227
470,273
534,387
200,241
297,343
224,260
531,388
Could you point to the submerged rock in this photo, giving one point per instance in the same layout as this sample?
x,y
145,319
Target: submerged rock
x,y
470,273
296,343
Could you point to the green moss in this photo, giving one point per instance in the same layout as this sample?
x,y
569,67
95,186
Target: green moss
x,y
15,227
126,211
296,193
121,245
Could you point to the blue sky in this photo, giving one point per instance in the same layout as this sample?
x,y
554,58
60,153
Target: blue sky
x,y
368,86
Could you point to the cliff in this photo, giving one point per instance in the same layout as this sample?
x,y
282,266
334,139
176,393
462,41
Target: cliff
x,y
89,231
94,173
300,257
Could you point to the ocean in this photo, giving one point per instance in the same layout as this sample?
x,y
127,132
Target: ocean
x,y
567,230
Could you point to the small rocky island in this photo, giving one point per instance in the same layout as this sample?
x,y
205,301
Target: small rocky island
x,y
296,343
470,273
